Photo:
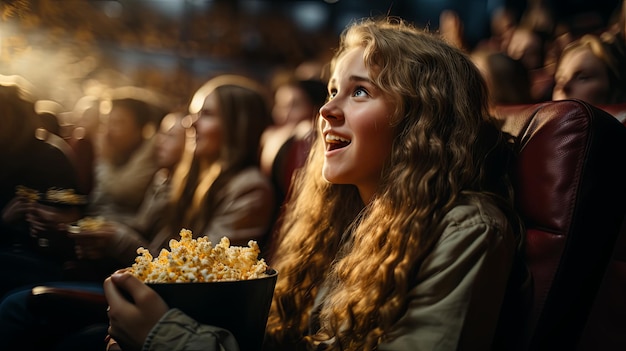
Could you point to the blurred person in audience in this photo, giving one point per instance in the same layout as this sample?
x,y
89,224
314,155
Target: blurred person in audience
x,y
296,103
102,244
615,35
219,190
125,164
539,17
401,233
19,123
588,70
216,190
508,80
502,24
45,252
561,37
452,29
36,164
529,47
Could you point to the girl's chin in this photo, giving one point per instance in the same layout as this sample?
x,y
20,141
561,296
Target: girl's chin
x,y
333,177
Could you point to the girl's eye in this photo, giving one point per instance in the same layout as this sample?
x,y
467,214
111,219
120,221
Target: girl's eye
x,y
359,92
331,94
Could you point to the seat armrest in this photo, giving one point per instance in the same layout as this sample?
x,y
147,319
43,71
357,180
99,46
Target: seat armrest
x,y
67,305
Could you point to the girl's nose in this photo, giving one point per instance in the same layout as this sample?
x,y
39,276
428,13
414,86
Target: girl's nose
x,y
331,111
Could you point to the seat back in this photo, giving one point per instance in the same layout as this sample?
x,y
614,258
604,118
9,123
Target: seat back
x,y
570,187
617,110
606,325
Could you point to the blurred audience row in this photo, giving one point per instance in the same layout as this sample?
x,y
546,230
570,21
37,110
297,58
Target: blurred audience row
x,y
535,58
82,189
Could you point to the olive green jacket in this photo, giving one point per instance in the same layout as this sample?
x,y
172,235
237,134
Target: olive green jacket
x,y
454,306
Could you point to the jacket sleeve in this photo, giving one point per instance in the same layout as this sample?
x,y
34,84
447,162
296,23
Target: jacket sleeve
x,y
245,211
177,331
461,286
119,191
144,226
125,244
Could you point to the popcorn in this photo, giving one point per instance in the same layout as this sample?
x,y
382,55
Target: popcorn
x,y
54,195
91,223
65,196
31,195
196,260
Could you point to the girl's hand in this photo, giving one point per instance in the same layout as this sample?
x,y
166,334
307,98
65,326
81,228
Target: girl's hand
x,y
130,321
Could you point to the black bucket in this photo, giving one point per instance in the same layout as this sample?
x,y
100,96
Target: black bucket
x,y
241,306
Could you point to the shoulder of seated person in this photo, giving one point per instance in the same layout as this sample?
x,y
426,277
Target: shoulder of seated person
x,y
475,211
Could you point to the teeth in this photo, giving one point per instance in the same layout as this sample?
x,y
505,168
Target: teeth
x,y
335,139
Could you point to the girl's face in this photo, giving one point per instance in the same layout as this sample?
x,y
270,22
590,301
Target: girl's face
x,y
356,127
581,75
208,128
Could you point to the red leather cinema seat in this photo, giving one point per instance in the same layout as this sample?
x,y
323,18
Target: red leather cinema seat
x,y
571,191
616,110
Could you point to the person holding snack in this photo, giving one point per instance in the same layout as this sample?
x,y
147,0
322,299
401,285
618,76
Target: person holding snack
x,y
124,164
35,164
93,233
400,233
216,190
97,238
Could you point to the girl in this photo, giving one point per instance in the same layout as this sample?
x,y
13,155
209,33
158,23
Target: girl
x,y
399,234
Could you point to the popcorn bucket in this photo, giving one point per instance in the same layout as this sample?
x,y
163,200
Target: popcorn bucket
x,y
241,306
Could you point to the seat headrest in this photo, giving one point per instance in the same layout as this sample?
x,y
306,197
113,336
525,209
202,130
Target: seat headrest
x,y
565,147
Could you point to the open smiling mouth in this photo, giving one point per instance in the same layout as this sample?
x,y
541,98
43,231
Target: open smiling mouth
x,y
334,142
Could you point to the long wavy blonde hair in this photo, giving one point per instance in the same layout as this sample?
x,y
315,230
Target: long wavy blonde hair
x,y
446,147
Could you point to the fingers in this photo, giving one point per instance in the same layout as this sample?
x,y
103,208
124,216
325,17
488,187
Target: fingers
x,y
124,289
15,210
41,219
117,305
55,215
129,283
143,297
130,322
115,298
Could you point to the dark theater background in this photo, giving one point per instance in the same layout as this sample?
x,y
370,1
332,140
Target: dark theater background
x,y
69,47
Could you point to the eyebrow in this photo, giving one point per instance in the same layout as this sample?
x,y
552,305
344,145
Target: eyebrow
x,y
360,79
353,78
